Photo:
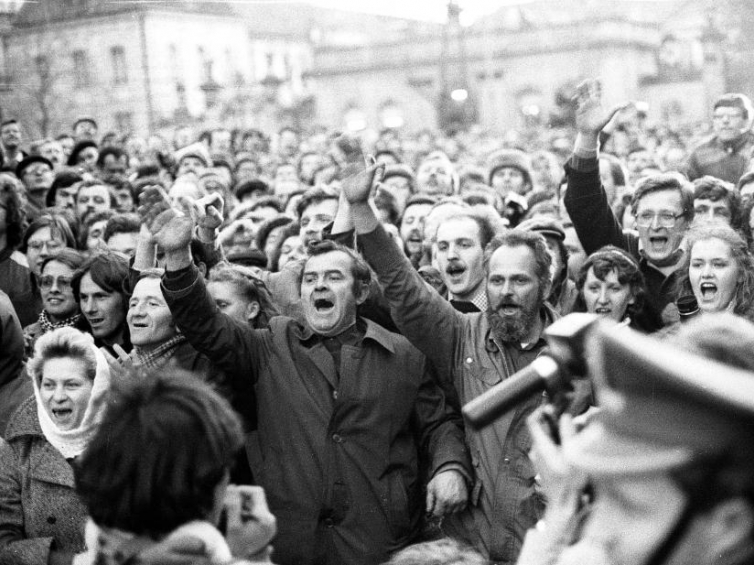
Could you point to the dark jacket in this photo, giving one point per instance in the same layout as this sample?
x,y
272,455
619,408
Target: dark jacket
x,y
16,281
39,508
724,160
504,504
336,448
15,387
597,226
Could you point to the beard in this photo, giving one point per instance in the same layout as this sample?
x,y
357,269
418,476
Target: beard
x,y
513,327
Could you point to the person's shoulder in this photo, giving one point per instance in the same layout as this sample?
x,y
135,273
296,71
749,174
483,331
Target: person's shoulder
x,y
24,421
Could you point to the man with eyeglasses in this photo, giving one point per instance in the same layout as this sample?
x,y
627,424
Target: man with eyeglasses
x,y
727,154
37,174
662,206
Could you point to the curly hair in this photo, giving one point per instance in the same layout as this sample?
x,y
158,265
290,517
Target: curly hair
x,y
743,298
609,259
63,342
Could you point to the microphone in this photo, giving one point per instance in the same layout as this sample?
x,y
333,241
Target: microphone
x,y
552,371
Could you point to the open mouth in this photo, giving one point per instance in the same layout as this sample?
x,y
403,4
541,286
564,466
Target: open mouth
x,y
455,270
139,325
508,309
95,321
602,310
658,242
708,290
61,413
323,305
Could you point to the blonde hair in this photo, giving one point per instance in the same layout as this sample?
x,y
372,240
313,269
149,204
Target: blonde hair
x,y
63,342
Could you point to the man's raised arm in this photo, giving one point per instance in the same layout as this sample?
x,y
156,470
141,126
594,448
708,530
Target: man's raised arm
x,y
226,343
585,199
427,320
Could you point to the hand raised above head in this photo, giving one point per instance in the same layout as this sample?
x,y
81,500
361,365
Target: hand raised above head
x,y
171,229
209,210
358,180
591,116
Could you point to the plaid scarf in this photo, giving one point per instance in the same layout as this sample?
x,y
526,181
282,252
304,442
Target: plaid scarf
x,y
47,325
158,356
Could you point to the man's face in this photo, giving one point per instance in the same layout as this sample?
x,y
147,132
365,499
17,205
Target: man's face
x,y
460,256
102,309
87,159
309,164
327,293
10,135
124,200
123,243
38,177
67,143
412,227
94,237
660,242
435,177
514,292
638,161
149,319
315,218
509,179
728,123
113,165
191,164
400,188
53,151
712,211
92,199
85,130
747,193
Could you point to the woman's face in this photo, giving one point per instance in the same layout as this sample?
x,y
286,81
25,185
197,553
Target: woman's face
x,y
57,294
608,298
232,302
41,245
714,274
65,389
291,250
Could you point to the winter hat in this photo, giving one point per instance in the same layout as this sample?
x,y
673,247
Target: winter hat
x,y
509,158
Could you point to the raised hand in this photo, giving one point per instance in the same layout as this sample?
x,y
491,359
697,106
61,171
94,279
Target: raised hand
x,y
591,116
357,185
250,524
171,229
209,211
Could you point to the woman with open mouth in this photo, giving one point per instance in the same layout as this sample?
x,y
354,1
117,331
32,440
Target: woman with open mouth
x,y
42,519
611,285
720,270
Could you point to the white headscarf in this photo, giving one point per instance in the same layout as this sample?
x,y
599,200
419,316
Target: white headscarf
x,y
71,443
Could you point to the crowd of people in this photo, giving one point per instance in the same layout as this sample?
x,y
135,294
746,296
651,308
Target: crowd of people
x,y
226,348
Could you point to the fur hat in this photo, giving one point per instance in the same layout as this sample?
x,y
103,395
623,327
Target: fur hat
x,y
509,158
198,150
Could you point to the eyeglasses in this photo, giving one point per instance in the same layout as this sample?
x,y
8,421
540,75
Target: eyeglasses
x,y
63,283
52,245
37,170
732,115
664,219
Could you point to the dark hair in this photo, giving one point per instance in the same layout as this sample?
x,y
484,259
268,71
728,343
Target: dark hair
x,y
113,150
312,197
666,181
538,246
8,122
10,188
85,120
176,441
383,200
294,228
63,179
250,187
267,202
362,275
89,221
735,100
58,225
744,180
73,158
121,223
266,228
715,189
108,270
609,259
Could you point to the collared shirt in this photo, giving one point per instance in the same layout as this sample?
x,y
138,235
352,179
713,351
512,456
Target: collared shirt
x,y
479,299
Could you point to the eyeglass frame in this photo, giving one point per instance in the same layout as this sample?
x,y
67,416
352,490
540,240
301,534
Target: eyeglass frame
x,y
660,222
39,245
63,283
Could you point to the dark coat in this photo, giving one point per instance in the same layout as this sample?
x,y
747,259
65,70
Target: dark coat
x,y
724,160
336,447
39,508
15,387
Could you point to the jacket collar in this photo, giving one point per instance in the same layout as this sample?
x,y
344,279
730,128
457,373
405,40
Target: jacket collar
x,y
374,332
25,421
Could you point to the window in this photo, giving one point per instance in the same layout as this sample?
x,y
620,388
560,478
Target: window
x,y
118,58
81,69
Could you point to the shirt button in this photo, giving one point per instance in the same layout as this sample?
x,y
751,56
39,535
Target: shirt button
x,y
507,460
469,360
337,438
51,519
335,394
329,522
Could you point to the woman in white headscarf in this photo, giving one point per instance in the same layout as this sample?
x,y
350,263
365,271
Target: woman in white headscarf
x,y
42,519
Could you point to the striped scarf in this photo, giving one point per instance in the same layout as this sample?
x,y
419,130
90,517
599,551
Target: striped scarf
x,y
158,356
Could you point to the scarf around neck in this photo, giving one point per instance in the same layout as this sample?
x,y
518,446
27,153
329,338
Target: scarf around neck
x,y
48,325
160,355
71,443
